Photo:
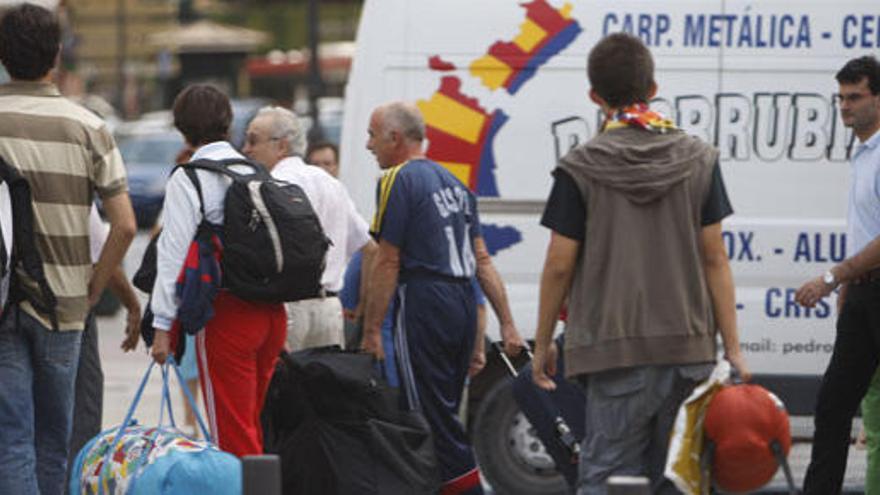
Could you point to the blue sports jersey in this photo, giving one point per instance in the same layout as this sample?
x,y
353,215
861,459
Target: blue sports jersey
x,y
431,216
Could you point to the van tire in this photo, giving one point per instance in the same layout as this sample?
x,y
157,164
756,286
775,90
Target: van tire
x,y
500,463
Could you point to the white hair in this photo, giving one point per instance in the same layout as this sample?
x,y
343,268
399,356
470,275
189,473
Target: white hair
x,y
285,125
404,118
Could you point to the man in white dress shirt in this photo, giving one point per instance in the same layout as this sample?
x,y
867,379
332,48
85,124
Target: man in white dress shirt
x,y
276,139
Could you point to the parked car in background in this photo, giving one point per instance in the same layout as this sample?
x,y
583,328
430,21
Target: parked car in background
x,y
243,111
149,146
330,115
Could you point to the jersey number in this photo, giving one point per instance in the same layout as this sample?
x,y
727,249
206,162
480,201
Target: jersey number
x,y
461,262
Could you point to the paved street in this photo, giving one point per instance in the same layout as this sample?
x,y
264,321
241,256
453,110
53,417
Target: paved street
x,y
122,375
123,372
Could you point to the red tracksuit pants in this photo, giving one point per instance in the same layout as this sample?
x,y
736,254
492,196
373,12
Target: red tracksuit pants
x,y
236,354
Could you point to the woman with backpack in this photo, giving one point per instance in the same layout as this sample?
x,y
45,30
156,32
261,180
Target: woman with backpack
x,y
240,343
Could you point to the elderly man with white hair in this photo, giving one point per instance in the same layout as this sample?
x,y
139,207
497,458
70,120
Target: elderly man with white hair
x,y
276,139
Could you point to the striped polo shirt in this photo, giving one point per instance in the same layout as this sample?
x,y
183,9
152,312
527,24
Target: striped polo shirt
x,y
67,155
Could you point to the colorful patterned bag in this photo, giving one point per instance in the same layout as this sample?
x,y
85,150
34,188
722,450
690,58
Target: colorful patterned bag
x,y
154,460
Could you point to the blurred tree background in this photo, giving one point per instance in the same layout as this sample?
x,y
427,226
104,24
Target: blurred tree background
x,y
129,51
286,20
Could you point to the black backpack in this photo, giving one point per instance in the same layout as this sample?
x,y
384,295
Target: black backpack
x,y
274,248
25,256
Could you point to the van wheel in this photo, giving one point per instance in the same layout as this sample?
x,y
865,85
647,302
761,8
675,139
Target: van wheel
x,y
509,453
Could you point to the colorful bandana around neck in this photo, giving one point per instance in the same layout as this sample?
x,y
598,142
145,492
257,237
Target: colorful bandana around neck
x,y
641,116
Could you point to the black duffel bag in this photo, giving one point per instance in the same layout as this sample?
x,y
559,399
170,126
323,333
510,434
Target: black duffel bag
x,y
339,428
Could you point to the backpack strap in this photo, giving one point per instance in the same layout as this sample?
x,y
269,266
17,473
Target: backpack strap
x,y
194,178
223,167
24,249
145,276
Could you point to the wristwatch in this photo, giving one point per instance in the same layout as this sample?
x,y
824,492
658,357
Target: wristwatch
x,y
829,279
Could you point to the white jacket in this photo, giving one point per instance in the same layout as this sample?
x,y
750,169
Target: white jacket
x,y
180,220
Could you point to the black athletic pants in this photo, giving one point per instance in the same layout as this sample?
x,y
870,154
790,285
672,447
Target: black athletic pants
x,y
855,358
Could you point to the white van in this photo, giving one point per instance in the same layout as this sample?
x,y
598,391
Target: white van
x,y
503,88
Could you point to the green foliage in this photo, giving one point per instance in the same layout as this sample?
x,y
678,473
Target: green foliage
x,y
286,21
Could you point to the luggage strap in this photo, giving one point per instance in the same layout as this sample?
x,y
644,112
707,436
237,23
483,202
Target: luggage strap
x,y
510,368
258,172
166,403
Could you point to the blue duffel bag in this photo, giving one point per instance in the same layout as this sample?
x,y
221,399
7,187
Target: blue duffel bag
x,y
139,460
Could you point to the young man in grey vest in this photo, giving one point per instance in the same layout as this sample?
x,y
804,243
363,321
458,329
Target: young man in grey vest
x,y
635,215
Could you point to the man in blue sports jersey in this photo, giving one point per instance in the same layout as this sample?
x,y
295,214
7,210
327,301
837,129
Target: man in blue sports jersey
x,y
430,245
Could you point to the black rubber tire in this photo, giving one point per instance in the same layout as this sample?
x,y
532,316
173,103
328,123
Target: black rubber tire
x,y
499,464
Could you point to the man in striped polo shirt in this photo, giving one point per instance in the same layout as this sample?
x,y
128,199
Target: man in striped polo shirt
x,y
67,155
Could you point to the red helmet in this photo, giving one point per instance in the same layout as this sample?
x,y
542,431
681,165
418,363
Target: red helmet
x,y
742,421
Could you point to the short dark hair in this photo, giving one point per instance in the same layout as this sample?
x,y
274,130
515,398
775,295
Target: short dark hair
x,y
319,145
860,68
621,70
29,41
202,113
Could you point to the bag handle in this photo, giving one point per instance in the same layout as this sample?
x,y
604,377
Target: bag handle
x,y
166,399
190,399
166,402
163,405
105,466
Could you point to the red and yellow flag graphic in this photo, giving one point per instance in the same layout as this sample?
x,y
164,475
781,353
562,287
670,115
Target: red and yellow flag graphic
x,y
545,32
460,134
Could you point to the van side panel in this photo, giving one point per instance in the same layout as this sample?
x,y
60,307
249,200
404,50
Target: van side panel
x,y
503,88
